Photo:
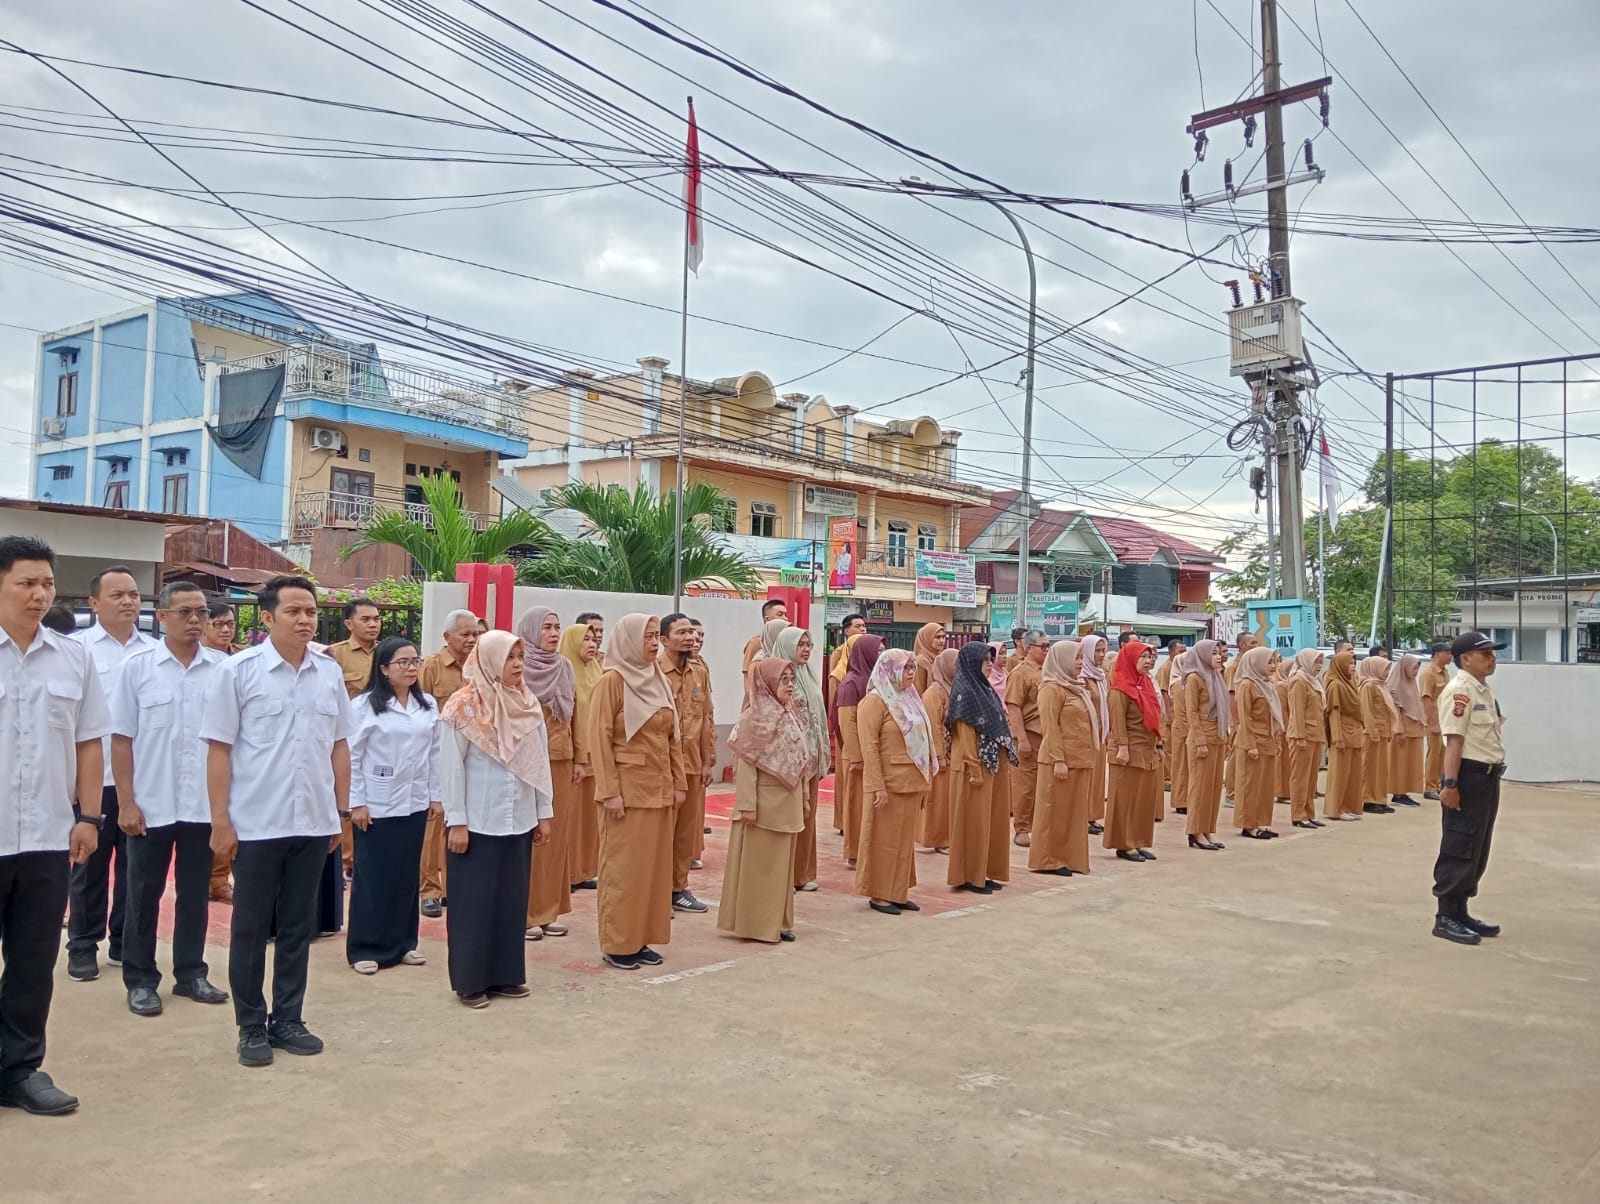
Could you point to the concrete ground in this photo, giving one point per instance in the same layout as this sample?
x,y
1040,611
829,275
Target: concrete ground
x,y
1272,1023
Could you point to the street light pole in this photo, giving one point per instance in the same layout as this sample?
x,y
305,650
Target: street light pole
x,y
1025,499
1555,541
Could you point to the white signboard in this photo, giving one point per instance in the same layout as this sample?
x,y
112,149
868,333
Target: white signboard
x,y
820,499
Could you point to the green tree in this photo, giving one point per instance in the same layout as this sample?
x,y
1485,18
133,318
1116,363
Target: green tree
x,y
630,545
449,535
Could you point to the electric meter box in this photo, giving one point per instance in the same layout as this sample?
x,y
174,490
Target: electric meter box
x,y
1265,336
1286,625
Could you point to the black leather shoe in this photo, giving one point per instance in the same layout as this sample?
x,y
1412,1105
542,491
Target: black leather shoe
x,y
888,909
785,934
143,1001
1373,808
38,1094
1481,927
993,885
201,991
1064,871
1096,828
1452,929
254,1049
1147,854
431,909
293,1037
1129,855
908,905
83,967
977,890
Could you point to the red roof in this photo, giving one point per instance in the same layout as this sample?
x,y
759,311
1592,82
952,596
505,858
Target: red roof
x,y
1136,543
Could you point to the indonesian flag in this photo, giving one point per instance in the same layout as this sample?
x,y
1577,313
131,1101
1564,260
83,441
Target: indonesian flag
x,y
694,235
1330,485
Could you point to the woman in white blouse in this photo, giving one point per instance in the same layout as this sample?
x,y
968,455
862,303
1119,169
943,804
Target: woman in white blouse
x,y
394,781
495,783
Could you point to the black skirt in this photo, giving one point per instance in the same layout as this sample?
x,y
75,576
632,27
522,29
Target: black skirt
x,y
488,912
330,894
383,889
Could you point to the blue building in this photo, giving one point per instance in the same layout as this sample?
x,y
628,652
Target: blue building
x,y
236,407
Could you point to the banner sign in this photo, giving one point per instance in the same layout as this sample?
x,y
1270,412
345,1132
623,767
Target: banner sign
x,y
1054,614
842,552
946,579
820,499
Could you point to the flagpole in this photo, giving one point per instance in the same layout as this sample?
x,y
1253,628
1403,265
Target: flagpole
x,y
689,216
1322,562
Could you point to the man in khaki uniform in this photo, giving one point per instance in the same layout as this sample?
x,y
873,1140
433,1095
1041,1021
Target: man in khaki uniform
x,y
770,609
354,657
1027,729
1431,681
440,677
711,735
690,683
1469,794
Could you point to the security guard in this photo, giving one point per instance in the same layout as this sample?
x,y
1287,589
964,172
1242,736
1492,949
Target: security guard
x,y
1474,762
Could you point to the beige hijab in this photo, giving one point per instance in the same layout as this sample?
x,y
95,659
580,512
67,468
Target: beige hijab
x,y
644,688
1061,667
1304,667
1403,688
1253,668
770,631
943,670
1376,669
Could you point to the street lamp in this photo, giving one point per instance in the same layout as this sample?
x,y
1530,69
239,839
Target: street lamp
x,y
1555,542
1025,501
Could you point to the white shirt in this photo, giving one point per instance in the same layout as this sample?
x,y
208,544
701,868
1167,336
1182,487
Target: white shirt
x,y
394,757
50,701
108,657
282,724
158,704
483,794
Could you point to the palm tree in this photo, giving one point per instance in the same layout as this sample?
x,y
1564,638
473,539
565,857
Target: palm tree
x,y
448,535
631,550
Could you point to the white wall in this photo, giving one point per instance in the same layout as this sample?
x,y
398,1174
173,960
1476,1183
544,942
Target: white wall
x,y
1550,721
729,622
85,543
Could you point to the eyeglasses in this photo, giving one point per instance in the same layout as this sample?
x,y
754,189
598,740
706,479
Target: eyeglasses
x,y
185,613
405,662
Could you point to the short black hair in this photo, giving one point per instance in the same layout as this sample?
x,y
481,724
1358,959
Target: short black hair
x,y
668,620
23,547
1127,637
61,619
588,617
272,590
217,607
1377,650
696,623
1176,646
849,619
94,582
356,604
766,607
379,692
1338,644
1018,634
164,599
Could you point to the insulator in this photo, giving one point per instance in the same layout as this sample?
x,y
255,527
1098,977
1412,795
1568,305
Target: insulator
x,y
1249,130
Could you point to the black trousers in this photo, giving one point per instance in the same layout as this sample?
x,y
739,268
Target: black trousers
x,y
1464,842
89,882
273,876
149,857
33,890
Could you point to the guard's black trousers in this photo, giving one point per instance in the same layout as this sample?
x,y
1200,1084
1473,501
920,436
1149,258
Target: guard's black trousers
x,y
33,892
1464,843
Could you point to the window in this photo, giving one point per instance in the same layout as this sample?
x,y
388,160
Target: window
x,y
898,533
365,455
819,441
927,537
763,519
411,470
61,472
175,494
352,495
67,393
118,464
177,457
117,494
725,516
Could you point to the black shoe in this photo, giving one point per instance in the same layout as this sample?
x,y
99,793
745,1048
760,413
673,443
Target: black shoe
x,y
977,890
254,1048
1405,800
1063,871
684,900
1306,823
431,909
785,935
993,885
1452,929
908,905
1431,794
1146,854
1374,808
114,959
1316,823
888,909
648,957
200,991
1096,828
586,884
622,961
293,1037
706,831
143,1001
83,967
1481,927
1129,855
1180,811
1385,808
39,1095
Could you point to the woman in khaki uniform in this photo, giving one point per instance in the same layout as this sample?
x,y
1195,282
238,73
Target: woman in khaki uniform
x,y
794,645
1135,784
1177,726
929,644
980,745
1382,722
1405,754
1347,734
898,764
863,656
581,648
1257,738
1305,735
1091,663
841,776
774,759
637,756
1280,682
551,680
1163,679
1205,705
1068,755
933,827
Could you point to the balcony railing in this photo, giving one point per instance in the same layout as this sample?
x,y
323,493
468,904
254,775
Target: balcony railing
x,y
356,510
335,373
893,561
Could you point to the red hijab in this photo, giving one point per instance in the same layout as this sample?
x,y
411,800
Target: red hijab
x,y
1125,676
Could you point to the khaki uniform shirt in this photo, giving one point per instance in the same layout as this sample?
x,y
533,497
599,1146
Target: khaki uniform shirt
x,y
1431,682
1022,692
1468,709
355,662
440,676
691,694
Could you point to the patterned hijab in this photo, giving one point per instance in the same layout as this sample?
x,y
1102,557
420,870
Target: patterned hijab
x,y
502,722
1198,661
974,702
547,674
1096,675
770,734
586,674
807,692
1253,668
1137,686
1403,688
1306,666
644,687
905,706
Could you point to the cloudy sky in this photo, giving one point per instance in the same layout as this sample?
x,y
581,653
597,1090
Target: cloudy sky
x,y
1077,100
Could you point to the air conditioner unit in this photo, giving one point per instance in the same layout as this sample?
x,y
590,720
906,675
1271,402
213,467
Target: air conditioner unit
x,y
325,438
55,428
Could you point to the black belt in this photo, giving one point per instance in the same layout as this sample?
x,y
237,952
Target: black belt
x,y
1484,767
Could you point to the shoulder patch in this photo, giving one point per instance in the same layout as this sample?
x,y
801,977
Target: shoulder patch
x,y
1459,704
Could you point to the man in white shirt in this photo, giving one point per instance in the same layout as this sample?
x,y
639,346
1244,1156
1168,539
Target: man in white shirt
x,y
158,761
52,719
278,776
114,598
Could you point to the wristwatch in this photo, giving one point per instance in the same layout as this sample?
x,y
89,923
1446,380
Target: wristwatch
x,y
99,821
1447,783
344,815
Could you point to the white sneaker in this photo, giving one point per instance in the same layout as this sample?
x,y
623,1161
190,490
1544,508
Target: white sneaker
x,y
534,934
412,958
364,967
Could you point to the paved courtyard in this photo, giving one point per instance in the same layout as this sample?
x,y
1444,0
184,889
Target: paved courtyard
x,y
1272,1023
